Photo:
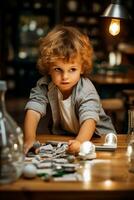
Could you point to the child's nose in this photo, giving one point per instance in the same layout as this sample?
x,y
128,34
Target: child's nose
x,y
65,75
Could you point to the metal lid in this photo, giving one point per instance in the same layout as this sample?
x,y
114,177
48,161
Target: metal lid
x,y
116,10
3,85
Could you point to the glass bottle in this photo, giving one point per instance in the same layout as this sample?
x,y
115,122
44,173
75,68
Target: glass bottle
x,y
130,136
130,140
11,143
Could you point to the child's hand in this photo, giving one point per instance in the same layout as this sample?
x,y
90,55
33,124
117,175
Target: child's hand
x,y
73,146
27,147
32,147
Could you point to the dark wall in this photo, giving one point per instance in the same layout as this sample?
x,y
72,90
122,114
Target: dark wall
x,y
22,23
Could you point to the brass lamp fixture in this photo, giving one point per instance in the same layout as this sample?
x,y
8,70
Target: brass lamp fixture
x,y
116,11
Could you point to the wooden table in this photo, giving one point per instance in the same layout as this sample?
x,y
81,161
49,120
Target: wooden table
x,y
108,178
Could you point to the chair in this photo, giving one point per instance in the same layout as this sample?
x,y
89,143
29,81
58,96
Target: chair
x,y
114,107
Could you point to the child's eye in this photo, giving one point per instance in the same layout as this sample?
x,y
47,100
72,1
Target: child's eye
x,y
72,69
57,69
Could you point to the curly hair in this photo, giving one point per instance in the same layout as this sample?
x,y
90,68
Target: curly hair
x,y
64,43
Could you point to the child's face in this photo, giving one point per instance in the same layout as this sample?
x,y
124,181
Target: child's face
x,y
65,75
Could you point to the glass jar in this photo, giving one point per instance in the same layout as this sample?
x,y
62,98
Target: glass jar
x,y
130,137
130,140
11,143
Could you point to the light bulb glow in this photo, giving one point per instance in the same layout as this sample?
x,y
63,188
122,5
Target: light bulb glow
x,y
114,27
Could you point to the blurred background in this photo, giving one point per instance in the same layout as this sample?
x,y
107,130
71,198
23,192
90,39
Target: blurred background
x,y
23,22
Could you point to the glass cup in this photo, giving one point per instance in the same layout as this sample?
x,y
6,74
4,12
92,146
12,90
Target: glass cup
x,y
130,119
130,140
130,125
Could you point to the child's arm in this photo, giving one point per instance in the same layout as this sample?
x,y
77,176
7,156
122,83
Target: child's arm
x,y
85,133
30,126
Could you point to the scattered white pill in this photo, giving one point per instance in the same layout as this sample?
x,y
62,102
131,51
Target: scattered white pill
x,y
29,171
86,147
87,151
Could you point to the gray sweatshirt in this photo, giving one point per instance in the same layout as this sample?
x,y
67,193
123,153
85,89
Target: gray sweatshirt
x,y
85,101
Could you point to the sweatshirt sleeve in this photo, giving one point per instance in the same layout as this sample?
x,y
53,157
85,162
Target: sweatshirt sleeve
x,y
89,105
38,99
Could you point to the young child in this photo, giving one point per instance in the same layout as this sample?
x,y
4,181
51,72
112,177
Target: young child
x,y
65,62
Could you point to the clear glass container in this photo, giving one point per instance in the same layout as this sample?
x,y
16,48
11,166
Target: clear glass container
x,y
130,140
11,143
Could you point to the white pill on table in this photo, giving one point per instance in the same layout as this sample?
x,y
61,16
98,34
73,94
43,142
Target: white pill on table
x,y
29,171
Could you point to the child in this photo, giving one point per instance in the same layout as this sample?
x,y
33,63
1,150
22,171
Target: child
x,y
65,62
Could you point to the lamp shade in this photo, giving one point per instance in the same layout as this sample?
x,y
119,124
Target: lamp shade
x,y
116,10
